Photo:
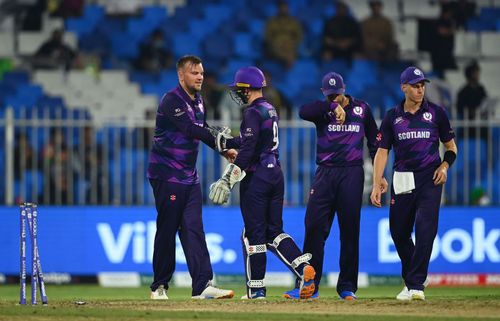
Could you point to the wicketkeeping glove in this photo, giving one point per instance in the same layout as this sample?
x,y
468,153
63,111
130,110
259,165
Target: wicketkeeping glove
x,y
221,190
220,134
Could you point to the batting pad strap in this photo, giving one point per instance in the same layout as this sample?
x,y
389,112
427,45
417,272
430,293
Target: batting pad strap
x,y
255,249
304,258
255,283
277,240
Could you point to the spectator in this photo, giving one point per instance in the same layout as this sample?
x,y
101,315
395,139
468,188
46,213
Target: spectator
x,y
66,8
444,41
212,93
283,35
470,97
378,35
341,35
58,169
154,56
54,53
89,162
23,156
463,10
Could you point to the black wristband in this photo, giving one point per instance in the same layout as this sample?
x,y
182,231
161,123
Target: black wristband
x,y
449,157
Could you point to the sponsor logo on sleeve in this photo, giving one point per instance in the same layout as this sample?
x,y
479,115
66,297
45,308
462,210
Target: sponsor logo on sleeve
x,y
178,112
248,132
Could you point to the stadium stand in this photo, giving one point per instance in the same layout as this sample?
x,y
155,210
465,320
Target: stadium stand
x,y
227,35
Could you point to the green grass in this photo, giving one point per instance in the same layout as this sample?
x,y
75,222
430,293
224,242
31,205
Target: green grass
x,y
375,303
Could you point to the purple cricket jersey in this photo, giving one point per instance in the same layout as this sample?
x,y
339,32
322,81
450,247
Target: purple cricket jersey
x,y
179,128
258,141
415,137
341,145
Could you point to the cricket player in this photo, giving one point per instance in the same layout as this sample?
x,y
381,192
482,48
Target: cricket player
x,y
342,122
258,168
414,128
180,125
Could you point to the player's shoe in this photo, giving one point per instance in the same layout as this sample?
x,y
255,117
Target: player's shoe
x,y
417,295
212,292
307,285
404,295
294,294
159,294
256,295
348,296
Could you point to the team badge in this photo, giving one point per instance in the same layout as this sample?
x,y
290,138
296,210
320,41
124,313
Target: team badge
x,y
332,82
358,111
173,197
417,72
312,191
427,116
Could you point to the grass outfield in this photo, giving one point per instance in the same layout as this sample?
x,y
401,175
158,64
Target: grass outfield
x,y
375,303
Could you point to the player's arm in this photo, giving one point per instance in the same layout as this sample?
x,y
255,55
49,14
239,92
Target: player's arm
x,y
385,140
447,136
441,173
378,171
371,132
321,112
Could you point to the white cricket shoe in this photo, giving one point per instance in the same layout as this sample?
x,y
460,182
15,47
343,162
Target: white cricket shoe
x,y
211,292
417,295
159,294
404,295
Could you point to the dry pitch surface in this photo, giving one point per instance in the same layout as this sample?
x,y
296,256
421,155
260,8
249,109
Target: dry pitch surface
x,y
375,303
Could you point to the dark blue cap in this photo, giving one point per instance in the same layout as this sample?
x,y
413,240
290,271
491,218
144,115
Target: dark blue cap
x,y
332,83
412,75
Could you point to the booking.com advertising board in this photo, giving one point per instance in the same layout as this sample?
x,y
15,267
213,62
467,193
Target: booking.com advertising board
x,y
88,240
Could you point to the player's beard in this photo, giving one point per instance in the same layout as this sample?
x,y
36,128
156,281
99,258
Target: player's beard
x,y
194,89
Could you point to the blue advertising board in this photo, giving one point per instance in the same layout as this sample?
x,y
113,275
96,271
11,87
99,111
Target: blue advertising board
x,y
88,240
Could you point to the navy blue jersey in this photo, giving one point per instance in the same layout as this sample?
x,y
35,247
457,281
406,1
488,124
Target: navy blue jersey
x,y
415,137
180,123
341,145
258,141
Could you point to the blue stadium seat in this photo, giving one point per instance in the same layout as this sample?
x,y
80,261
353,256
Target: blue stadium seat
x,y
16,77
124,46
143,77
218,46
200,28
185,43
93,13
246,45
96,42
168,79
140,28
217,12
79,26
227,75
154,89
155,14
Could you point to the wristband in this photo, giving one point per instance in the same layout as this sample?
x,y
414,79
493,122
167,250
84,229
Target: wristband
x,y
449,157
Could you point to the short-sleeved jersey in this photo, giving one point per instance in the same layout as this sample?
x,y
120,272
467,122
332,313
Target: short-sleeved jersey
x,y
342,145
415,137
180,123
258,141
